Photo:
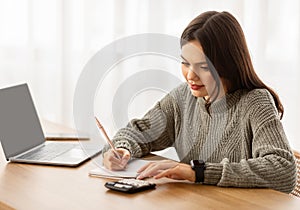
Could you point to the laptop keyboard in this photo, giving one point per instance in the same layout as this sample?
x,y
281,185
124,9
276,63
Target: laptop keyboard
x,y
48,152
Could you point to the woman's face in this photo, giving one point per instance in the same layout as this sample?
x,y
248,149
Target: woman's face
x,y
196,72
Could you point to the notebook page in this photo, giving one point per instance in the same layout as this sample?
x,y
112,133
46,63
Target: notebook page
x,y
129,172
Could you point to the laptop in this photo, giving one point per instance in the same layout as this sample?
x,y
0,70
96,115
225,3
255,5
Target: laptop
x,y
22,137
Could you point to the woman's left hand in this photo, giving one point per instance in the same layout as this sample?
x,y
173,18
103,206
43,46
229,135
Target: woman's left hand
x,y
167,168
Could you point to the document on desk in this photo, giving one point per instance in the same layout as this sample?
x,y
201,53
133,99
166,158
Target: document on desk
x,y
130,171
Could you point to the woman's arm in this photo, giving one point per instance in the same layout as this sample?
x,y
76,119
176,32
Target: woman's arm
x,y
155,131
272,164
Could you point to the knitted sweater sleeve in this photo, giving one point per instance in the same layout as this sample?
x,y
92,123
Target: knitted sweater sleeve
x,y
272,164
155,131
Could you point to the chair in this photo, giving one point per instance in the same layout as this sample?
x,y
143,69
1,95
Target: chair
x,y
296,191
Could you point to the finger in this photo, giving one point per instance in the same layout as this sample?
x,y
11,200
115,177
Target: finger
x,y
111,162
164,164
179,172
165,173
112,158
118,164
151,170
113,165
160,165
117,154
144,167
117,167
121,153
146,175
171,174
125,157
124,161
154,168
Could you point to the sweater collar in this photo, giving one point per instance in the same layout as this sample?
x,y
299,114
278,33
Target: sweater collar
x,y
223,104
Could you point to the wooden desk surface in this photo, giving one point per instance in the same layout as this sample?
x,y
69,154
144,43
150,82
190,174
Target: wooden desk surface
x,y
24,186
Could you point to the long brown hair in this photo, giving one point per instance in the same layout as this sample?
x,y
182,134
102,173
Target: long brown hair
x,y
224,44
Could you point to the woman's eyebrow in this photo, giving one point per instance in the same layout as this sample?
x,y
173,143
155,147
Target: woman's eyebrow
x,y
199,63
183,58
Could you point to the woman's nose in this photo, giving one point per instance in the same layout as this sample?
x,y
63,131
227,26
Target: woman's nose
x,y
191,75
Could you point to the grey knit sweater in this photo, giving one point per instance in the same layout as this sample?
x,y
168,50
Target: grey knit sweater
x,y
241,139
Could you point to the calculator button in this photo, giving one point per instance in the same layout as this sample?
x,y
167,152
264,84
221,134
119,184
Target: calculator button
x,y
119,185
127,186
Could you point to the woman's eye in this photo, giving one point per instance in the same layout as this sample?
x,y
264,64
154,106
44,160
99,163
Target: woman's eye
x,y
185,63
205,68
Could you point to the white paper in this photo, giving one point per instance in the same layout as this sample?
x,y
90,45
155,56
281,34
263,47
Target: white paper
x,y
130,171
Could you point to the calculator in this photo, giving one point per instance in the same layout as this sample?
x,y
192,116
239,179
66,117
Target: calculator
x,y
130,185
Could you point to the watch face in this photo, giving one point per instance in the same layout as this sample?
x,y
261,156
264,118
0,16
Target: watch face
x,y
198,166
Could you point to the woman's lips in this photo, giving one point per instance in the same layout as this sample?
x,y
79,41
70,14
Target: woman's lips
x,y
196,87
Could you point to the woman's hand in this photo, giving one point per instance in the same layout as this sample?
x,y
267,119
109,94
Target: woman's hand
x,y
111,162
169,169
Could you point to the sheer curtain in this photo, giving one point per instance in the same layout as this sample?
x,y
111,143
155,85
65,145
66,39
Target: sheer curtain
x,y
47,43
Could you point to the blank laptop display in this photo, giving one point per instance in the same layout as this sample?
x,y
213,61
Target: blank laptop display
x,y
22,137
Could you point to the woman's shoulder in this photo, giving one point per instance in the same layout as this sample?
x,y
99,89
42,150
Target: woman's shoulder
x,y
258,99
258,95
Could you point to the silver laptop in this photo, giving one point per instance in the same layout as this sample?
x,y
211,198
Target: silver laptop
x,y
22,137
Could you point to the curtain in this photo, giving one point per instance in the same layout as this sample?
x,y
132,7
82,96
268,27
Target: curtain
x,y
48,43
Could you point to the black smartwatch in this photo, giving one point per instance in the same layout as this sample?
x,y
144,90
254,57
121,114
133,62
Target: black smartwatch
x,y
198,166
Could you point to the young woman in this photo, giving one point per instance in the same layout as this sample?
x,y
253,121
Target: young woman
x,y
224,122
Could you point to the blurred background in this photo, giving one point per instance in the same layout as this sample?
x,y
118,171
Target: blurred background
x,y
46,43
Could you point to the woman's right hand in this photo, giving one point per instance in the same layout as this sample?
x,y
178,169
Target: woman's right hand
x,y
112,162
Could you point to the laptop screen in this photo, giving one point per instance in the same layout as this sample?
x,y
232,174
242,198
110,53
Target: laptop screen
x,y
20,128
